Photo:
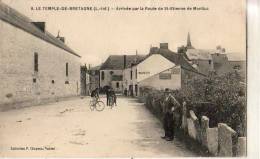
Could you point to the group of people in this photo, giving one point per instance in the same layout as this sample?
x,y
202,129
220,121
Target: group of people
x,y
111,97
110,94
171,110
171,115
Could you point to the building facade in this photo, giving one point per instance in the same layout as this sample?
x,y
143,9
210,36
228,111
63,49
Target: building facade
x,y
84,81
216,61
35,66
161,69
112,71
94,78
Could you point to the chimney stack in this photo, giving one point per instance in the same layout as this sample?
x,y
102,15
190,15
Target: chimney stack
x,y
39,25
124,61
163,45
153,50
60,37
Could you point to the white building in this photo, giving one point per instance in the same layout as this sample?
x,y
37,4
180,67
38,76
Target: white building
x,y
111,71
160,69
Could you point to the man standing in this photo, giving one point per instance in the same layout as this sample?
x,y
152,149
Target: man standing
x,y
169,105
108,94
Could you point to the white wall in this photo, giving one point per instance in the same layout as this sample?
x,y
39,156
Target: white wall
x,y
152,65
173,83
107,80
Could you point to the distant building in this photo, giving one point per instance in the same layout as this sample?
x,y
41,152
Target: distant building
x,y
84,81
111,71
208,61
238,63
35,67
94,77
160,69
201,59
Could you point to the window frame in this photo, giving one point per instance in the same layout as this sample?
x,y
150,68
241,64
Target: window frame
x,y
102,75
36,62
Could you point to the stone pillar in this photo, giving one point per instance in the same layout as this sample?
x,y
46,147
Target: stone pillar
x,y
241,147
227,138
193,126
184,124
212,140
204,127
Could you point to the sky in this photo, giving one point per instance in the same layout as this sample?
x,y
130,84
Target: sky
x,y
96,35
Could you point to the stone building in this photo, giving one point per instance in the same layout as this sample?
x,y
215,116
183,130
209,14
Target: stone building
x,y
111,71
35,66
94,77
238,63
208,61
84,81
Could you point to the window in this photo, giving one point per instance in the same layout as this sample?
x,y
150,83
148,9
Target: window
x,y
131,74
209,62
52,81
67,69
135,73
102,75
34,80
117,84
36,62
237,67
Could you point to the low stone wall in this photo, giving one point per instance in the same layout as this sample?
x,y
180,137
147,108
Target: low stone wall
x,y
241,146
212,140
184,120
141,99
219,141
209,136
227,140
193,126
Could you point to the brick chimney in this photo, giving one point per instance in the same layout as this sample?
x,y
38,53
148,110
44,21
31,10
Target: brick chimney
x,y
153,50
40,25
60,37
124,61
163,45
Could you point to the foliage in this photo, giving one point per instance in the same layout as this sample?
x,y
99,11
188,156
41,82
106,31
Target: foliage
x,y
221,98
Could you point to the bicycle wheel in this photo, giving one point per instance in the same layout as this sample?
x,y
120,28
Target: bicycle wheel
x,y
100,106
91,105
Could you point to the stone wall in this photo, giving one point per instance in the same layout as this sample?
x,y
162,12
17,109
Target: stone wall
x,y
209,136
226,139
20,84
241,146
219,141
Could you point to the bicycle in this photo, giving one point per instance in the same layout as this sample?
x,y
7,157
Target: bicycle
x,y
96,104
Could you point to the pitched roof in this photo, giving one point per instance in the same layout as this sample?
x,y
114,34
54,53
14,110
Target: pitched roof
x,y
95,68
18,20
116,62
199,54
176,58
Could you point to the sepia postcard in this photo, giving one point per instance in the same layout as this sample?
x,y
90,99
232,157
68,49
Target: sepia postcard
x,y
117,78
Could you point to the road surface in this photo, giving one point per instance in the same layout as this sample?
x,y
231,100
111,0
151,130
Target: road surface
x,y
70,129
